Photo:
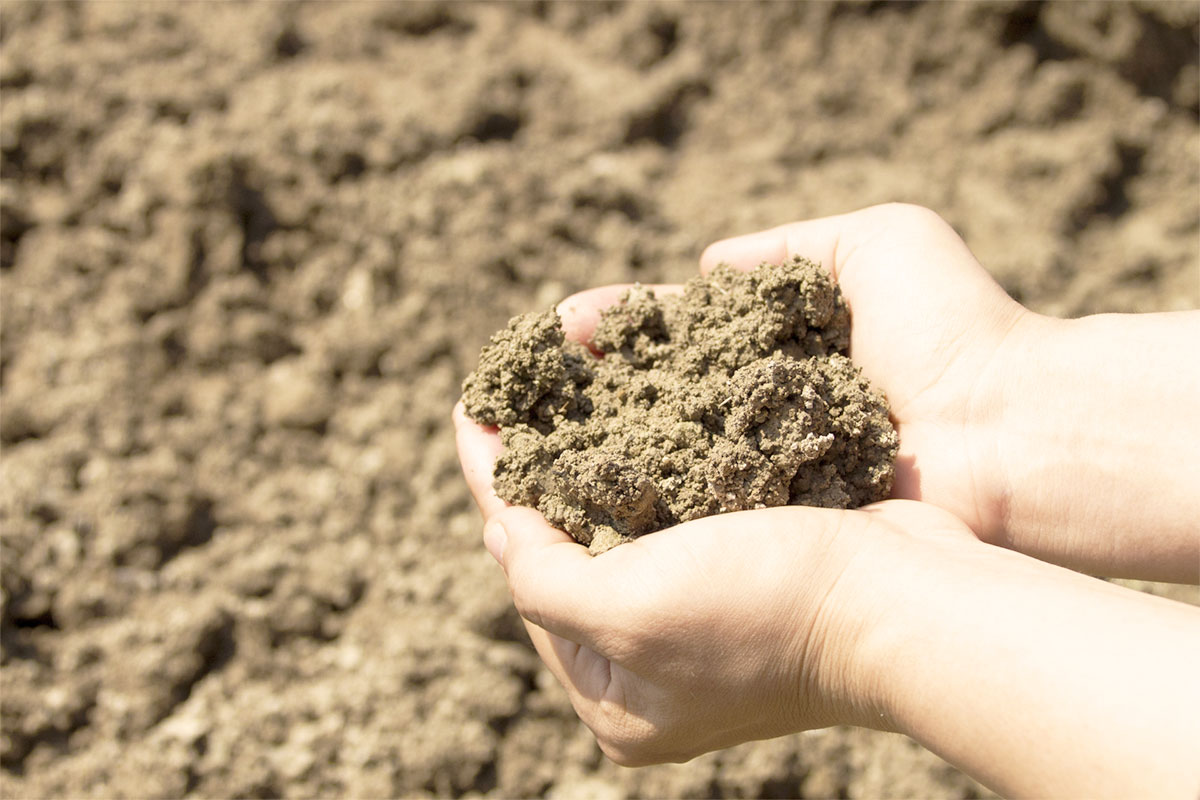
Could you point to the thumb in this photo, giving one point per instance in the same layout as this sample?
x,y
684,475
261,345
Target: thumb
x,y
816,239
581,311
555,583
899,251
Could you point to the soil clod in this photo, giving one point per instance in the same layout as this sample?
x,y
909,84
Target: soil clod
x,y
738,393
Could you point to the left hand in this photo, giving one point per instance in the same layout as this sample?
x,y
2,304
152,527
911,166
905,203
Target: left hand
x,y
711,633
715,632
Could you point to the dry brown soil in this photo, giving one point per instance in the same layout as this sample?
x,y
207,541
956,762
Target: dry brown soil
x,y
249,252
735,393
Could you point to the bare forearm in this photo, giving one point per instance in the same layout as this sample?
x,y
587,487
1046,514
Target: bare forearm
x,y
1098,445
1037,680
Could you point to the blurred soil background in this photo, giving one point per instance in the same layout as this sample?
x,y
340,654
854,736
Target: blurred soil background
x,y
249,251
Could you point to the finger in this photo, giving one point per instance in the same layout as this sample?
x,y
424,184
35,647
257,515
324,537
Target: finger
x,y
581,311
554,582
816,240
557,653
917,237
581,671
478,448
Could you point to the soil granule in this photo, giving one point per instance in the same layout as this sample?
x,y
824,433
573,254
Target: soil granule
x,y
736,394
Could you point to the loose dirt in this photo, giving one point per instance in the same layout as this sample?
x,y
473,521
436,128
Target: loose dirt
x,y
248,253
736,394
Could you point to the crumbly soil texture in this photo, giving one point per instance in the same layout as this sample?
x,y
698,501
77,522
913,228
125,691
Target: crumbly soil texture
x,y
736,394
249,252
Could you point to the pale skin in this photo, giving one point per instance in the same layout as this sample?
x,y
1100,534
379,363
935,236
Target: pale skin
x,y
1029,447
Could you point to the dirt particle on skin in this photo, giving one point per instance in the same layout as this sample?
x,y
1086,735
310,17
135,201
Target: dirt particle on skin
x,y
738,393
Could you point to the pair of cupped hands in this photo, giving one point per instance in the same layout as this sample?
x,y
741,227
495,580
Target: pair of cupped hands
x,y
755,624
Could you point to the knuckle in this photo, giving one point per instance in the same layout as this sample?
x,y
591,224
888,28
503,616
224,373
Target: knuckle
x,y
522,603
620,757
643,755
527,605
637,740
627,740
910,215
524,593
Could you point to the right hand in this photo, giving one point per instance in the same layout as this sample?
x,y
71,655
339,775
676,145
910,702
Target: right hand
x,y
1045,436
929,327
1033,431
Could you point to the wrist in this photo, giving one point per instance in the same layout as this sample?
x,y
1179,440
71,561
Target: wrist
x,y
844,663
913,595
1074,425
1009,391
969,645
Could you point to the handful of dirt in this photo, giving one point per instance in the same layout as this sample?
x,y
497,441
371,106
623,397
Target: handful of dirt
x,y
736,394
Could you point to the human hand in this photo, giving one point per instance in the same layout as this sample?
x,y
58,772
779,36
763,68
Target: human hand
x,y
927,304
755,624
717,631
711,633
930,328
1036,432
869,617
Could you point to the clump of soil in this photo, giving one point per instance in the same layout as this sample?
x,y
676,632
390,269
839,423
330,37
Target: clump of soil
x,y
736,394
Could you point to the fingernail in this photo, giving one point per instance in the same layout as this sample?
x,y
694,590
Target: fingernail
x,y
494,539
